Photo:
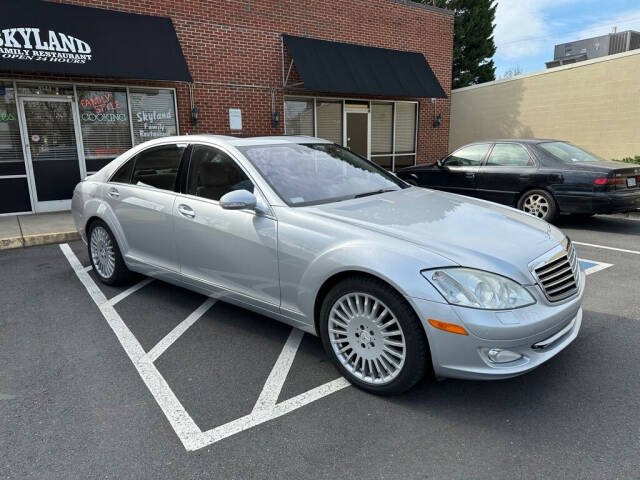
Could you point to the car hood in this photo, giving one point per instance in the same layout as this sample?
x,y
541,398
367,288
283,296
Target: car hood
x,y
469,232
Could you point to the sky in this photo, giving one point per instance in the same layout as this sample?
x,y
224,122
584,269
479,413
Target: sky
x,y
527,30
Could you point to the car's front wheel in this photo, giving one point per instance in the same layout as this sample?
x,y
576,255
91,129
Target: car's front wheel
x,y
373,336
539,203
105,255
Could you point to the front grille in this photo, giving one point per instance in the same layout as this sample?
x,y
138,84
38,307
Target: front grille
x,y
558,277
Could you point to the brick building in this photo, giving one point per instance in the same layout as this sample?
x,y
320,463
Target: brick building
x,y
78,85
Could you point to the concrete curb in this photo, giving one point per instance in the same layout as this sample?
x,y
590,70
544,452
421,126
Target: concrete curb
x,y
39,239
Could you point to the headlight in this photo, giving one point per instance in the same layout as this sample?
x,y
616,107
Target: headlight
x,y
478,289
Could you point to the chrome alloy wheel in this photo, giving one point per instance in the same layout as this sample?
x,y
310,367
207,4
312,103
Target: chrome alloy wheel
x,y
102,252
367,338
537,205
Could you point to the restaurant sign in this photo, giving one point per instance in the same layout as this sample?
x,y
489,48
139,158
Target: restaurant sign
x,y
32,44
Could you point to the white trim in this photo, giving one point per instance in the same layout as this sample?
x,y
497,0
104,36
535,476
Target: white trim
x,y
547,71
3,177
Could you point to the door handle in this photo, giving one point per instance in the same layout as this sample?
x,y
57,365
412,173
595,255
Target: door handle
x,y
470,175
113,192
186,211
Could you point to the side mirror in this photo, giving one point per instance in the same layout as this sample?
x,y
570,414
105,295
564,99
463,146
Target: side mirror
x,y
238,200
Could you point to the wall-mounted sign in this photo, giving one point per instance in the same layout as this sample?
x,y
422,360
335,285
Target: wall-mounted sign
x,y
235,119
30,44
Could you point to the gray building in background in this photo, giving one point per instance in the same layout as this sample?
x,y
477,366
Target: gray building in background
x,y
580,50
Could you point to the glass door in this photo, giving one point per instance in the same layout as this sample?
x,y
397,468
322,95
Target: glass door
x,y
51,142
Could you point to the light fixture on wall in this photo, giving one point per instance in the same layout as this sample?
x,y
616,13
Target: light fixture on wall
x,y
195,112
275,118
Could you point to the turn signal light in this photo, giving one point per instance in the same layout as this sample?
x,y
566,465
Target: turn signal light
x,y
447,327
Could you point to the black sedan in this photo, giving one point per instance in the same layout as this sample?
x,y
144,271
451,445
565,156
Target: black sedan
x,y
541,177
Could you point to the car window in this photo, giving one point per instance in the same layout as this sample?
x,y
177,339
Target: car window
x,y
213,173
310,174
123,175
471,155
509,155
568,153
158,167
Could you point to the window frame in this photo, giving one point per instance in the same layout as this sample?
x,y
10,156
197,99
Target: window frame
x,y
532,160
134,158
482,162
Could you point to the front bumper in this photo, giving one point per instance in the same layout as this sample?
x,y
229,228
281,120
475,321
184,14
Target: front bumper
x,y
550,327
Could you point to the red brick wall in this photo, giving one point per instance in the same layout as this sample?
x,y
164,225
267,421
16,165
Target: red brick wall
x,y
228,43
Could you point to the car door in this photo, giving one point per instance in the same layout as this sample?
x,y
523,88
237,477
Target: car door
x,y
457,172
141,194
235,250
508,171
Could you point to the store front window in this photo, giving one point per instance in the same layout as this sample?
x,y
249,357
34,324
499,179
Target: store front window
x,y
153,114
391,141
104,122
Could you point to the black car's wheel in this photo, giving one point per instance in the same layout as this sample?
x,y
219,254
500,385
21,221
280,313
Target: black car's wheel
x,y
105,255
539,203
373,336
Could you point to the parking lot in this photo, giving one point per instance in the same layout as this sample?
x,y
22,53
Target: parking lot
x,y
148,380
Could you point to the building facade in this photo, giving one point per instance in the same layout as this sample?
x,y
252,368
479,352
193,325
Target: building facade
x,y
593,104
594,47
79,86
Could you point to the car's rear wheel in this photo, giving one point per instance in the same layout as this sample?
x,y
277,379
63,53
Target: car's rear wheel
x,y
539,203
105,255
373,336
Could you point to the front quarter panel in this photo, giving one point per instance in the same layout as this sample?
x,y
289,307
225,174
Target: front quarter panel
x,y
312,250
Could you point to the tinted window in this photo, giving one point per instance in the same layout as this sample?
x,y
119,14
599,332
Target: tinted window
x,y
509,155
318,173
568,153
213,173
123,175
158,167
467,156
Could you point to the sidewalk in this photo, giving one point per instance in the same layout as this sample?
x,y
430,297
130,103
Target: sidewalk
x,y
39,229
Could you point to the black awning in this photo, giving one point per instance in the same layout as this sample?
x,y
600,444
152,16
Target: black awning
x,y
347,68
45,37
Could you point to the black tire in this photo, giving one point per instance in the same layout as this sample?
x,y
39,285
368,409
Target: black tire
x,y
121,273
417,357
528,200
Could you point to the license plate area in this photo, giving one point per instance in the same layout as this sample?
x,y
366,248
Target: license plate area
x,y
632,182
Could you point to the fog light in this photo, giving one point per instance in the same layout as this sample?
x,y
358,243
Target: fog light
x,y
498,355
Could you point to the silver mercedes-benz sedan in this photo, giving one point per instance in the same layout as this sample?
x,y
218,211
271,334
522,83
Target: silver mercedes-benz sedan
x,y
397,281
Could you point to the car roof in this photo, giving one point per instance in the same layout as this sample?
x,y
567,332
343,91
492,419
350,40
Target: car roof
x,y
517,140
240,141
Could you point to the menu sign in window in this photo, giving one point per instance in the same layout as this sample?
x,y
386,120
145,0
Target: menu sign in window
x,y
153,114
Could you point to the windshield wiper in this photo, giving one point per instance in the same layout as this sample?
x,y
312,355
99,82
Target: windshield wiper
x,y
382,190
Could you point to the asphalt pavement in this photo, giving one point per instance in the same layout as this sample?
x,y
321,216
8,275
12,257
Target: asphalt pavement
x,y
152,381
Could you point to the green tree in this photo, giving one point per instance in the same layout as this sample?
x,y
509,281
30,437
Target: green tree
x,y
473,46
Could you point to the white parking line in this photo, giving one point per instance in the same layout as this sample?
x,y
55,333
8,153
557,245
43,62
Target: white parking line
x,y
87,269
273,385
186,429
134,288
182,327
182,423
624,250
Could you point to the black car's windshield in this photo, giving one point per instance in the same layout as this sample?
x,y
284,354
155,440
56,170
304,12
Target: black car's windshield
x,y
318,173
568,153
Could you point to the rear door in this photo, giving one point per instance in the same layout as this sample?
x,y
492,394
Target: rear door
x,y
508,170
142,194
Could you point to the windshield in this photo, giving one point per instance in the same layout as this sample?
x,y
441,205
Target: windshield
x,y
568,153
318,173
